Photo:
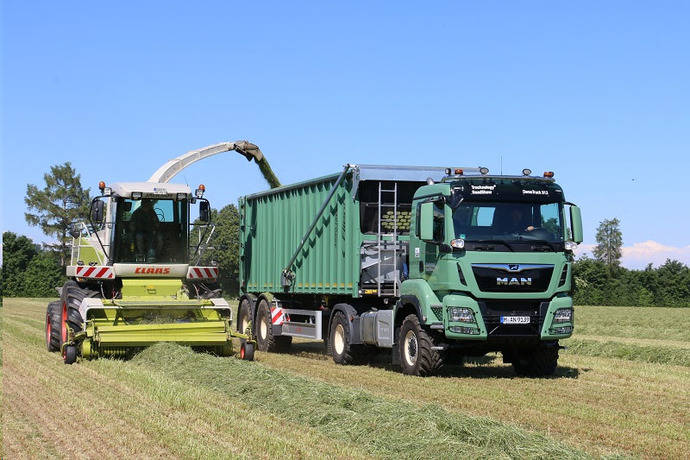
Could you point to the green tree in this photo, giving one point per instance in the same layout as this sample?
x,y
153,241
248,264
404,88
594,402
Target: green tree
x,y
57,205
609,242
43,275
17,253
223,248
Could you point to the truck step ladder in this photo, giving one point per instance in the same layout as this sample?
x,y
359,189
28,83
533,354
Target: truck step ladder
x,y
387,244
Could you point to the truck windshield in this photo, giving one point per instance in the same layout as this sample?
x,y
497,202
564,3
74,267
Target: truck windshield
x,y
151,231
509,222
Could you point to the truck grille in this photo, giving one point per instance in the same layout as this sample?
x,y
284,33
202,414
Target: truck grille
x,y
492,310
500,277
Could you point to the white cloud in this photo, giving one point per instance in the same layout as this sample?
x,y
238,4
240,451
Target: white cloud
x,y
640,254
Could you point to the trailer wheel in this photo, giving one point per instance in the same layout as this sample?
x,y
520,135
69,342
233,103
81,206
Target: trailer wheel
x,y
264,327
69,354
417,357
339,346
541,362
53,326
247,351
244,317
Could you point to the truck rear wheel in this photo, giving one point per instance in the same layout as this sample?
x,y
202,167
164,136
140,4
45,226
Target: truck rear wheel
x,y
417,357
540,362
53,326
339,341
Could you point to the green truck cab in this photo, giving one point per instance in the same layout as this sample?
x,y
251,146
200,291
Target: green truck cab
x,y
433,264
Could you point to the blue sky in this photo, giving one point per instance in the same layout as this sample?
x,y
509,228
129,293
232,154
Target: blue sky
x,y
599,92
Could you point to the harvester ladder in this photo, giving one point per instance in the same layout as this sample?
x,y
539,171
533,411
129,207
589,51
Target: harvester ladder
x,y
385,251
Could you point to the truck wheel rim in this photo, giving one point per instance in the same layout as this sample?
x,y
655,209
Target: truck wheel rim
x,y
410,348
243,325
263,330
339,339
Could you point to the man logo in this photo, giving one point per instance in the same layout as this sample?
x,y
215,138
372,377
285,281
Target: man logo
x,y
514,281
513,267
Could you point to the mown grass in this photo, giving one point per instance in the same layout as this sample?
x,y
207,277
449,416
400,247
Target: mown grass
x,y
634,322
170,401
629,351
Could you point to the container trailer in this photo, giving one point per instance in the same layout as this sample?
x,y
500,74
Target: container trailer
x,y
429,263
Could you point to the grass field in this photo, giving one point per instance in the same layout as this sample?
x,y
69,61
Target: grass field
x,y
622,389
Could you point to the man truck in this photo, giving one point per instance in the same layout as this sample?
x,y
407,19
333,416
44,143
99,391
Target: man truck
x,y
432,264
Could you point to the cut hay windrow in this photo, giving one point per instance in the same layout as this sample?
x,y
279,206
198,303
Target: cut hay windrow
x,y
380,426
629,351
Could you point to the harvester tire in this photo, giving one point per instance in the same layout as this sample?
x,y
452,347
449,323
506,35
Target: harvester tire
x,y
247,351
417,356
541,362
69,354
53,313
72,295
340,345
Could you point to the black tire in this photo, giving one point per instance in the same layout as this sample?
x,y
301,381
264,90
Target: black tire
x,y
247,351
244,317
540,362
72,295
339,341
53,314
69,354
264,328
417,357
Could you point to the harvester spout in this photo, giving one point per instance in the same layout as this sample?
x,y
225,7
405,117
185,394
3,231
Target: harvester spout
x,y
244,148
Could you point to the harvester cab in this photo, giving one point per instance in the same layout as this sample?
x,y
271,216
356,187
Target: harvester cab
x,y
135,276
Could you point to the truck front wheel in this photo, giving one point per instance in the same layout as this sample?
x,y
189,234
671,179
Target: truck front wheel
x,y
540,362
417,355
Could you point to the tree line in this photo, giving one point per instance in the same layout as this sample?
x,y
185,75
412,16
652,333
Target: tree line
x,y
31,270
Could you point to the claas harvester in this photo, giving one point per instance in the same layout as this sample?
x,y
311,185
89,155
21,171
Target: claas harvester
x,y
135,276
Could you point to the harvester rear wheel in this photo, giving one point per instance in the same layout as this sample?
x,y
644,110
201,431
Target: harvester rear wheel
x,y
417,357
247,351
69,354
53,313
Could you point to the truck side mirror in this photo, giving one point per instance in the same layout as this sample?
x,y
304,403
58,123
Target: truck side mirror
x,y
576,223
426,221
204,211
97,212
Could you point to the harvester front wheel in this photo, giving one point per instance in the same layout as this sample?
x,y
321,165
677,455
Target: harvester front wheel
x,y
247,351
417,355
72,296
53,314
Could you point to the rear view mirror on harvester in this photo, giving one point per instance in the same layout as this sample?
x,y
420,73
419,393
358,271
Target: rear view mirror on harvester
x,y
576,223
97,211
204,214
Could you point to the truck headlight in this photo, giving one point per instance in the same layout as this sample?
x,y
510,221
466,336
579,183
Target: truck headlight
x,y
563,315
464,330
461,315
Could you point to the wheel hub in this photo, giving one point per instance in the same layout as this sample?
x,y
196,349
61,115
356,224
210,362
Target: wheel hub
x,y
410,348
339,339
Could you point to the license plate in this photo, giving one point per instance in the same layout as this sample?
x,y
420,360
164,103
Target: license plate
x,y
514,319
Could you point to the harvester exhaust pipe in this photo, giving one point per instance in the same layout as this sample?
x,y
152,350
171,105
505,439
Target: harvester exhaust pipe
x,y
245,148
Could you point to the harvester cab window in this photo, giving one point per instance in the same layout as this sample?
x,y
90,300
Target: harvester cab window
x,y
151,230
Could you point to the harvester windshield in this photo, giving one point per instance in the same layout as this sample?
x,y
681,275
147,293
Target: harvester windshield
x,y
151,230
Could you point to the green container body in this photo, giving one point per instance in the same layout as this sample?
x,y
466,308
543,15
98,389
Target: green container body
x,y
272,225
